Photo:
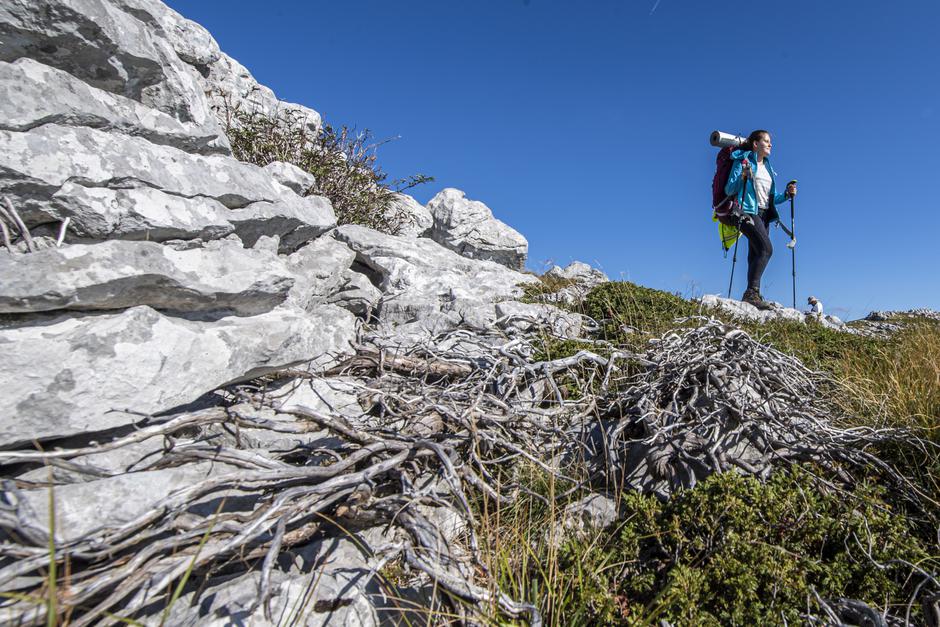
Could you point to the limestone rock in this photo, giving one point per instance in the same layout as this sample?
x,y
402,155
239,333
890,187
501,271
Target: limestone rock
x,y
108,47
289,175
116,275
411,217
419,279
595,511
33,94
336,395
319,269
81,508
294,220
469,228
230,85
66,376
37,166
580,272
192,43
745,311
356,294
137,213
533,317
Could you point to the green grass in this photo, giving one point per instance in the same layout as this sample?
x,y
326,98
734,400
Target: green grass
x,y
735,551
731,551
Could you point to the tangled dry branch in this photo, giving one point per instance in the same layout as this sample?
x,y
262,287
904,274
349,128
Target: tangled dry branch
x,y
438,423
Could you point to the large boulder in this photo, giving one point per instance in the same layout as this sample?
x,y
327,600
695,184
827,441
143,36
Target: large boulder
x,y
35,167
421,279
78,374
33,94
469,228
138,213
108,47
411,218
222,276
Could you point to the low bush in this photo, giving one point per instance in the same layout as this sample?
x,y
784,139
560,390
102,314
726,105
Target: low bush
x,y
731,551
342,160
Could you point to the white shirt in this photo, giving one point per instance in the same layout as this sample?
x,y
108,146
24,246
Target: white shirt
x,y
762,183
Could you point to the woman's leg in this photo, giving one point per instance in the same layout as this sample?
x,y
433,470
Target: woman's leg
x,y
759,250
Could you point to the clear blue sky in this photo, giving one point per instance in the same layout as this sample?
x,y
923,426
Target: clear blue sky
x,y
585,125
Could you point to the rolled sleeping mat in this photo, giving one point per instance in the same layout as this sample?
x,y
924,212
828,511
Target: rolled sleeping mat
x,y
720,140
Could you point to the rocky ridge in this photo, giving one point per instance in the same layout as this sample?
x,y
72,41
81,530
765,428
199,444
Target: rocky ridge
x,y
207,374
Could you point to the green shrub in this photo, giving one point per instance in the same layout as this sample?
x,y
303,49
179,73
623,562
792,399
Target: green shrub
x,y
632,314
343,162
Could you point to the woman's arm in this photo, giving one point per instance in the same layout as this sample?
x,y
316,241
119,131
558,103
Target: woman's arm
x,y
783,197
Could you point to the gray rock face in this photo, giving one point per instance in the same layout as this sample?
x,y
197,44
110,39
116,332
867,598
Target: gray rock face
x,y
34,175
413,218
289,175
81,508
67,376
46,158
33,94
230,84
138,213
294,220
469,228
117,275
420,280
319,269
109,48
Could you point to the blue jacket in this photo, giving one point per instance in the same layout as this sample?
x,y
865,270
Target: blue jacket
x,y
733,186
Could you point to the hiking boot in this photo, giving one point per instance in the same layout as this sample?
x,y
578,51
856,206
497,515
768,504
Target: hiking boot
x,y
753,297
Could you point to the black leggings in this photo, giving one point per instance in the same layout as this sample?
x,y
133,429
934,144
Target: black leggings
x,y
759,249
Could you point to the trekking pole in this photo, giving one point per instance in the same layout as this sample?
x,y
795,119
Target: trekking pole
x,y
734,260
734,257
793,248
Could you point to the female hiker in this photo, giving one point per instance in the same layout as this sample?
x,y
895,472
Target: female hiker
x,y
751,171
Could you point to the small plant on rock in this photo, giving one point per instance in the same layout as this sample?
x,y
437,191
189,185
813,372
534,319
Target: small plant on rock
x,y
342,160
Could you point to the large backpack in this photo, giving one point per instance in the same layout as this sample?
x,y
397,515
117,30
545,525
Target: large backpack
x,y
726,209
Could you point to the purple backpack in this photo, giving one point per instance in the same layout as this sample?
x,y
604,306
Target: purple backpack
x,y
727,209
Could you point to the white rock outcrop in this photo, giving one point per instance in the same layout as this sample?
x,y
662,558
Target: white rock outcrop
x,y
421,280
75,374
469,228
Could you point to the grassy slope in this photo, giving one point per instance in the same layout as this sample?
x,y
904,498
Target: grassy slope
x,y
733,550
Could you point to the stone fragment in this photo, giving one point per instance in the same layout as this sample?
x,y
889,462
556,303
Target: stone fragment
x,y
591,513
356,294
78,374
469,228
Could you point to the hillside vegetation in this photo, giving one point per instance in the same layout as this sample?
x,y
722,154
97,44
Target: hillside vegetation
x,y
735,550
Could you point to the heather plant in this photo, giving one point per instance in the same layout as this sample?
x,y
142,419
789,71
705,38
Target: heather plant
x,y
342,160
